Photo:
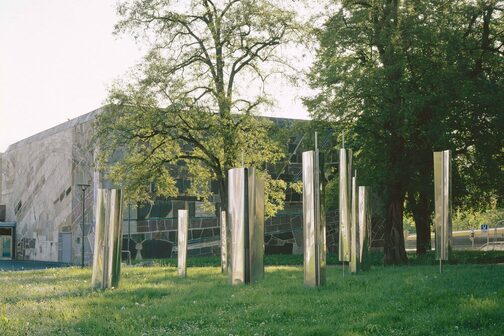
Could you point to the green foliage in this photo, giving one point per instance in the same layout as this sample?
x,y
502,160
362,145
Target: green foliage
x,y
464,300
297,187
194,98
332,194
275,194
409,224
405,79
467,220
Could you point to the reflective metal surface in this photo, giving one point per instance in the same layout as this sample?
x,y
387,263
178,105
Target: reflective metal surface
x,y
364,227
223,245
236,208
246,218
97,280
442,198
256,224
345,177
314,226
183,226
354,231
108,239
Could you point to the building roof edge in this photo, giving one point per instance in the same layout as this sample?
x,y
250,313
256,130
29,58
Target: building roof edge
x,y
56,129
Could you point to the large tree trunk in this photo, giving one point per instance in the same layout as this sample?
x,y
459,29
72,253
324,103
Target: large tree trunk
x,y
395,253
421,210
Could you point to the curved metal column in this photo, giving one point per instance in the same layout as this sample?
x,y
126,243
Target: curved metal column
x,y
345,177
183,225
364,227
246,218
314,226
256,224
354,231
442,198
108,239
223,245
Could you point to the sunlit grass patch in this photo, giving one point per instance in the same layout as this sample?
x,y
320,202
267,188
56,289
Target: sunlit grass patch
x,y
464,300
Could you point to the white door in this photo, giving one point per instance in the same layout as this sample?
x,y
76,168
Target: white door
x,y
65,247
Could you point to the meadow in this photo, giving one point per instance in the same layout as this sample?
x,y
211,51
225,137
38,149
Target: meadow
x,y
467,299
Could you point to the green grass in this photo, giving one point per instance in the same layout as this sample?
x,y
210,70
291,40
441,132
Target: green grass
x,y
376,258
410,300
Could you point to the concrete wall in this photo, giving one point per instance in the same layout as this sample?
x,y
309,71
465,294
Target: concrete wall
x,y
39,187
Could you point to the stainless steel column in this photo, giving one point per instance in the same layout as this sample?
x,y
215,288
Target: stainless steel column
x,y
314,226
364,227
108,239
442,198
345,176
97,279
223,245
183,225
354,231
256,224
246,218
237,220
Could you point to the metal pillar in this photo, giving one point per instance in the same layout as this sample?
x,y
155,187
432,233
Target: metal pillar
x,y
183,226
364,227
345,176
83,186
108,239
354,231
129,227
246,218
442,198
314,226
223,229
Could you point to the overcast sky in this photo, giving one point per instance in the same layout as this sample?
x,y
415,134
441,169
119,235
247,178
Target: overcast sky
x,y
59,56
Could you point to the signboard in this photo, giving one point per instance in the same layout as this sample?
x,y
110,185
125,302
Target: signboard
x,y
484,227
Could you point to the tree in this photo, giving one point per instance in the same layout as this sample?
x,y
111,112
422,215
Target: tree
x,y
399,77
194,97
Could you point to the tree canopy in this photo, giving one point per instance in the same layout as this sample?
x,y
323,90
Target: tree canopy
x,y
195,96
405,78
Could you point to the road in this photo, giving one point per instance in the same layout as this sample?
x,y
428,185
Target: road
x,y
462,241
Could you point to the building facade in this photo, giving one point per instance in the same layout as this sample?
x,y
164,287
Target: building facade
x,y
40,188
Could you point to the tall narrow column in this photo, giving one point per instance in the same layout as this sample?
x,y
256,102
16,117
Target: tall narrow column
x,y
354,232
183,225
345,175
442,198
314,226
364,227
108,239
223,245
246,218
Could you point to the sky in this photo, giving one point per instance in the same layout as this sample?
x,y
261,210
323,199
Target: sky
x,y
58,58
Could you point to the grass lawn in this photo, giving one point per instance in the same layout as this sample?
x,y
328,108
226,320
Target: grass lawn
x,y
410,300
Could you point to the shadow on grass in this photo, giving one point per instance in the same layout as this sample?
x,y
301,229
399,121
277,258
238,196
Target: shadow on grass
x,y
393,300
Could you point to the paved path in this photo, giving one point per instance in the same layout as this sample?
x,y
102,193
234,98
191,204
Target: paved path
x,y
21,265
